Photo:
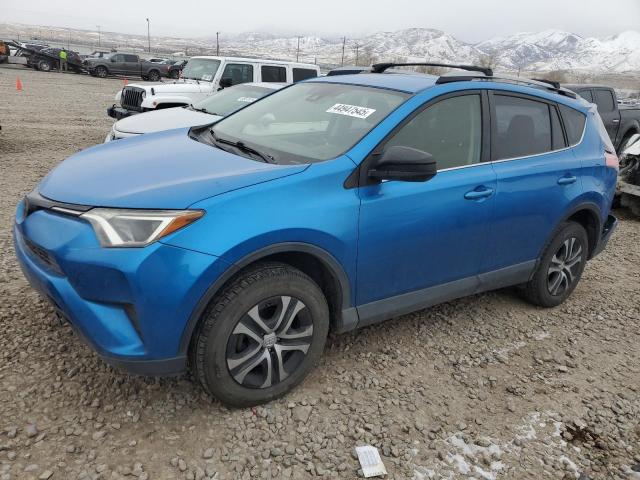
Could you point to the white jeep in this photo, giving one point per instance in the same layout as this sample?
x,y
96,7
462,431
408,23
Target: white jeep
x,y
204,76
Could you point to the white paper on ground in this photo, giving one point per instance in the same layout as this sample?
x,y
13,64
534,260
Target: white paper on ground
x,y
370,461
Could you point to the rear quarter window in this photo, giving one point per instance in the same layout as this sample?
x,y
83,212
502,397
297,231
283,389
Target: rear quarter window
x,y
573,123
300,74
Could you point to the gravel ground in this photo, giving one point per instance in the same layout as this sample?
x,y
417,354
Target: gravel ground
x,y
484,387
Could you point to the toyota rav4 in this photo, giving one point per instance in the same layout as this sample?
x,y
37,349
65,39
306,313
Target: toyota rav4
x,y
335,203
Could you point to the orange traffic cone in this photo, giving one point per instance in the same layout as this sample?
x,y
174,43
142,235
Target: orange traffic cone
x,y
18,84
125,82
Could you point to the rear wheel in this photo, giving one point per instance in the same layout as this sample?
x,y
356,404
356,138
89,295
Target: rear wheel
x,y
261,336
101,71
560,267
154,76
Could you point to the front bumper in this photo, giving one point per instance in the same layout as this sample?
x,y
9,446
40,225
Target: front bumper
x,y
607,230
118,112
130,304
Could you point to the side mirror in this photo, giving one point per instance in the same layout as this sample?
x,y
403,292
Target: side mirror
x,y
632,147
404,164
225,82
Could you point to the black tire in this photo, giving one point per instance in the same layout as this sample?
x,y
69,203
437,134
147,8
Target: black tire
x,y
571,245
631,202
144,77
101,71
175,74
154,76
224,353
44,66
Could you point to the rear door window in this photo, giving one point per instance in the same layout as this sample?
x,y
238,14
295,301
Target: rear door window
x,y
300,74
131,58
604,100
573,123
521,127
238,73
586,94
271,73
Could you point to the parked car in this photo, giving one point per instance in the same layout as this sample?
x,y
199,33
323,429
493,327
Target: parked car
x,y
97,54
203,76
176,69
126,64
628,187
332,204
622,122
48,59
204,112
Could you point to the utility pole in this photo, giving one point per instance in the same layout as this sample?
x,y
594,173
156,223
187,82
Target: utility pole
x,y
298,49
98,35
357,47
148,36
217,44
344,42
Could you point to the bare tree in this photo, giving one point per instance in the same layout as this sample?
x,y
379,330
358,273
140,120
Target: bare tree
x,y
556,76
488,60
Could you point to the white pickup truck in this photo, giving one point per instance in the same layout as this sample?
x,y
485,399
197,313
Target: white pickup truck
x,y
204,76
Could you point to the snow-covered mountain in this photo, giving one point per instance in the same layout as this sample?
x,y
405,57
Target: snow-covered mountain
x,y
546,50
540,51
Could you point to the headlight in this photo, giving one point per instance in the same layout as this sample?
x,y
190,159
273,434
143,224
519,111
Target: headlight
x,y
144,94
137,228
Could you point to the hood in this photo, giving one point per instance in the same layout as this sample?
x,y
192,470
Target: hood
x,y
164,119
165,170
179,86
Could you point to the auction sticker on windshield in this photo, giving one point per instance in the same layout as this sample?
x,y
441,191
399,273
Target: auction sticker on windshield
x,y
207,78
247,99
351,110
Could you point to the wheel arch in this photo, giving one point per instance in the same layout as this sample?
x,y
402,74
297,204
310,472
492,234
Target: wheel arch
x,y
588,215
314,261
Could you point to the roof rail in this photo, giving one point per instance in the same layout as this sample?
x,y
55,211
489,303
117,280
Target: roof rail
x,y
546,84
381,67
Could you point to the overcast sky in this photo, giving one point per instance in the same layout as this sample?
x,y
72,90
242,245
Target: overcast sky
x,y
468,20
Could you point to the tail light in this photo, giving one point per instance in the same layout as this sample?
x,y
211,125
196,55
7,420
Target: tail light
x,y
611,160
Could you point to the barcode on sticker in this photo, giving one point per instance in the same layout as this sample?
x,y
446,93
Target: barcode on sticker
x,y
247,99
351,110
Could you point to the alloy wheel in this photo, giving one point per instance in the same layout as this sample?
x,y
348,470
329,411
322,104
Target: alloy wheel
x,y
564,266
269,342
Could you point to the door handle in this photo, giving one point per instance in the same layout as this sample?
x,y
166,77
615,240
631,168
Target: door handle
x,y
479,193
615,120
568,180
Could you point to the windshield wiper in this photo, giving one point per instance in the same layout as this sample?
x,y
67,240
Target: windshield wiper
x,y
203,110
240,145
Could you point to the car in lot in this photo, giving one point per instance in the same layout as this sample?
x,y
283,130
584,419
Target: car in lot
x,y
621,121
203,76
204,112
330,205
176,68
48,59
127,64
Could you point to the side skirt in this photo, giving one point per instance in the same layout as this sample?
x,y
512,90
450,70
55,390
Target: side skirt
x,y
387,308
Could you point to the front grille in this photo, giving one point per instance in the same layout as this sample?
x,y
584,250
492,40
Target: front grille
x,y
42,255
132,98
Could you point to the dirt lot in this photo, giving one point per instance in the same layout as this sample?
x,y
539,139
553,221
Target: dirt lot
x,y
484,387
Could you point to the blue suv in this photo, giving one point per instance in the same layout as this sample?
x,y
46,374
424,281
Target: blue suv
x,y
335,203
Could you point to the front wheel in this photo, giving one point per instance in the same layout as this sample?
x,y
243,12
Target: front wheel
x,y
560,267
101,72
261,336
154,76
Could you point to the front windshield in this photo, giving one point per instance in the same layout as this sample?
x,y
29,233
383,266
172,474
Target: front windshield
x,y
231,99
310,122
201,69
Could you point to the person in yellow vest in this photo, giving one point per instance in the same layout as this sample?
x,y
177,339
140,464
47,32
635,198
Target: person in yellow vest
x,y
63,60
